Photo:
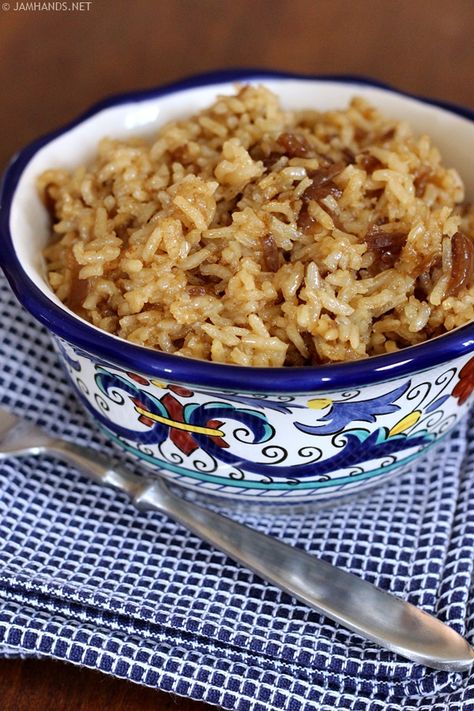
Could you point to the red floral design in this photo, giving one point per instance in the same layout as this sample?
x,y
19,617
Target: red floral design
x,y
182,439
179,390
465,385
138,378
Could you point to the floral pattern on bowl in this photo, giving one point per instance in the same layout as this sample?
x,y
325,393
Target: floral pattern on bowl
x,y
274,448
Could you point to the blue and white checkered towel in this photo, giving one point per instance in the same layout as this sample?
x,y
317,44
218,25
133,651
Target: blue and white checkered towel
x,y
86,578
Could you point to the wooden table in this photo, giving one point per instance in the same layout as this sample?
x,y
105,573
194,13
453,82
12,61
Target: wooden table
x,y
55,64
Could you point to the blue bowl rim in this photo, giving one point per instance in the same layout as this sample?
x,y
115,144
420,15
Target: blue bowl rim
x,y
156,364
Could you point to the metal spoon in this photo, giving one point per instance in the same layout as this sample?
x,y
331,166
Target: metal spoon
x,y
360,606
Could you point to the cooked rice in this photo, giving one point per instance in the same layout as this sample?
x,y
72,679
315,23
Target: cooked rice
x,y
247,234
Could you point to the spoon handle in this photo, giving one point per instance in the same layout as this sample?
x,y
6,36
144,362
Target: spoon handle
x,y
352,602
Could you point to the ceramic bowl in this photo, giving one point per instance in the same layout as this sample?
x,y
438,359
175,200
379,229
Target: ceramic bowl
x,y
266,435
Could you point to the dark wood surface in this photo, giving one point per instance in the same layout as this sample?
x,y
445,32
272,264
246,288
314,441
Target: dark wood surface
x,y
53,65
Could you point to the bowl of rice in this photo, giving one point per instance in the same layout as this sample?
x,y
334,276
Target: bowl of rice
x,y
259,284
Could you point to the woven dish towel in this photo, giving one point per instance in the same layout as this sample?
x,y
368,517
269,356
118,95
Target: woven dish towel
x,y
86,578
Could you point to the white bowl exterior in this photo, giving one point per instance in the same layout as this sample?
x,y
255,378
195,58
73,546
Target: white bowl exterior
x,y
272,449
